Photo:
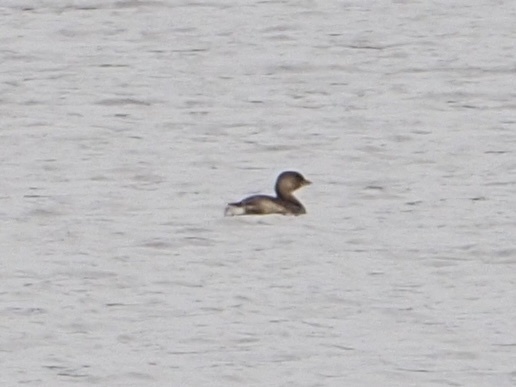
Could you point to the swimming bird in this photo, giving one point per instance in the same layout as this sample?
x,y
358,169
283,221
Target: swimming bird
x,y
284,203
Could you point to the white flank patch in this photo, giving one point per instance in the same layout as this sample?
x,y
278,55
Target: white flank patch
x,y
233,210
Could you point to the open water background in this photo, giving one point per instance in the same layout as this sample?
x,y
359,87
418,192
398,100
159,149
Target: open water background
x,y
125,127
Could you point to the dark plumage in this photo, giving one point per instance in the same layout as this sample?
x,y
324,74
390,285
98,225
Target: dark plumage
x,y
284,203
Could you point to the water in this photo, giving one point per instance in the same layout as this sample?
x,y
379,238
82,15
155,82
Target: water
x,y
126,126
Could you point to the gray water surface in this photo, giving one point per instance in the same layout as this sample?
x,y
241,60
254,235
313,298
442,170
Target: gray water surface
x,y
126,126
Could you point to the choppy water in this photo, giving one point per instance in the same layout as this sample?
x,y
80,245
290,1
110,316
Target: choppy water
x,y
127,125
